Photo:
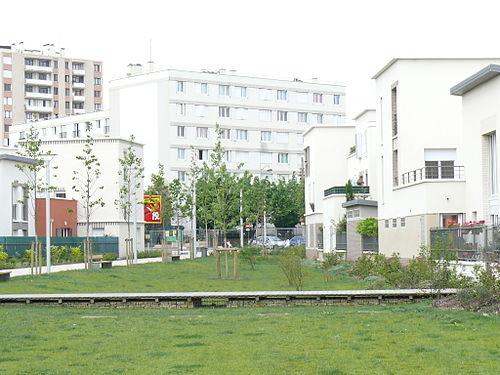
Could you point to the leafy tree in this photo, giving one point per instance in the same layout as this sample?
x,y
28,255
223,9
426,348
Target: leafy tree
x,y
287,202
349,191
368,227
86,182
180,204
131,175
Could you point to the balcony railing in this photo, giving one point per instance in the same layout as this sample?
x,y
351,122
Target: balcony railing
x,y
433,173
341,190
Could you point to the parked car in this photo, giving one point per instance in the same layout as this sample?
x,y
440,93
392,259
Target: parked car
x,y
297,241
269,242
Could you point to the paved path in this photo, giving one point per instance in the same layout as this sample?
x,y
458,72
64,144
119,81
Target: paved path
x,y
74,266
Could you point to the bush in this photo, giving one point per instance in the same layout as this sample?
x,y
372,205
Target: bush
x,y
250,254
3,256
379,265
368,227
376,282
291,264
149,254
109,256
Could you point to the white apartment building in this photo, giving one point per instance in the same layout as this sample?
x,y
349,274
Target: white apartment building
x,y
480,95
262,119
422,178
44,84
17,210
326,149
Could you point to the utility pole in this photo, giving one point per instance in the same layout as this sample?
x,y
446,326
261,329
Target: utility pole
x,y
241,217
48,231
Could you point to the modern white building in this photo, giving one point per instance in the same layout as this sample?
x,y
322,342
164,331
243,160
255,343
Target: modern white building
x,y
480,93
422,178
43,84
107,220
17,209
262,119
326,149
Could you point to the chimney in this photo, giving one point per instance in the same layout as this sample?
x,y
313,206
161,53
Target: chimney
x,y
134,69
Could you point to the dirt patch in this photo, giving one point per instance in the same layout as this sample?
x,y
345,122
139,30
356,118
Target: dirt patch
x,y
489,305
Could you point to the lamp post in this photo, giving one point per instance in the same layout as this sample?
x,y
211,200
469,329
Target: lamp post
x,y
48,227
241,217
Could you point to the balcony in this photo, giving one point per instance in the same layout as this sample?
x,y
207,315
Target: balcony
x,y
39,82
76,133
340,190
36,68
78,111
78,98
37,95
78,85
38,108
434,173
78,72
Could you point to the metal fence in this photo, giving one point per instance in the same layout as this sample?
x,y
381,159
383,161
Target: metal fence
x,y
470,242
17,245
369,243
341,240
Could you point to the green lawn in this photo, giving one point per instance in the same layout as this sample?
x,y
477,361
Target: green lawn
x,y
183,276
370,339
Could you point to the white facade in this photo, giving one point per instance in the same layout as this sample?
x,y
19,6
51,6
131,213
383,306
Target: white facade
x,y
17,217
107,220
263,119
480,95
326,149
421,164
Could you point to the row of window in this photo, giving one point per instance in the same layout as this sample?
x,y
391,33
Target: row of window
x,y
394,223
264,114
240,134
183,175
202,88
67,105
47,63
62,130
236,156
67,91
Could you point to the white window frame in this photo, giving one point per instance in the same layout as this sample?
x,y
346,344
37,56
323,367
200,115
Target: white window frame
x,y
181,131
317,98
181,154
282,95
181,86
282,116
264,138
180,109
223,90
283,158
241,134
265,115
224,112
302,117
202,132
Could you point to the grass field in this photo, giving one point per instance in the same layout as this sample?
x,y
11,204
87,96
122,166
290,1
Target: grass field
x,y
370,339
183,276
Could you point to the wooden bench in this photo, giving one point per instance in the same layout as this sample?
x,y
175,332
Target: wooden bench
x,y
97,262
5,275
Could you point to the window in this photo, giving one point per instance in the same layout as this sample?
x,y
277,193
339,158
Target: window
x,y
242,135
265,136
28,75
8,74
181,176
223,90
202,154
394,223
43,76
204,88
240,113
56,91
56,103
266,157
336,99
317,98
66,78
201,110
66,65
223,111
66,105
29,62
265,94
7,87
7,60
8,114
63,133
241,156
181,109
44,131
181,153
265,115
56,77
282,158
97,67
54,130
7,101
492,163
225,133
227,156
282,116
97,94
44,63
56,64
281,137
180,86
300,139
302,97
302,117
319,118
202,132
281,95
97,81
439,169
241,92
402,222
181,131
78,79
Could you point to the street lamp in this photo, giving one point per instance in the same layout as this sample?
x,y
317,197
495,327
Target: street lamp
x,y
48,231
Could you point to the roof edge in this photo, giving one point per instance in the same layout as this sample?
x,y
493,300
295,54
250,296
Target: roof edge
x,y
475,80
362,113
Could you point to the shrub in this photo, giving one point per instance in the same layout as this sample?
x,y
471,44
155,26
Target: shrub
x,y
376,282
149,254
3,257
75,254
291,264
250,254
368,227
329,260
379,265
109,256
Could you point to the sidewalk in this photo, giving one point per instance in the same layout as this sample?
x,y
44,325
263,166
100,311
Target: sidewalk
x,y
74,266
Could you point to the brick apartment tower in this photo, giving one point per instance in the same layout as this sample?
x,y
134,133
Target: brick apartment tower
x,y
44,84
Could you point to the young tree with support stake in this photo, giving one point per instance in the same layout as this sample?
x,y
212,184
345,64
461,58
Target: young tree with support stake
x,y
131,175
86,184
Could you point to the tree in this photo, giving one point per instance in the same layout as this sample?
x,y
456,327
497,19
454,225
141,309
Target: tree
x,y
180,204
287,202
86,182
349,191
131,175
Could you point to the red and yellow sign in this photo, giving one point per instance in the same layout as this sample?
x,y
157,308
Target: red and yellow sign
x,y
152,209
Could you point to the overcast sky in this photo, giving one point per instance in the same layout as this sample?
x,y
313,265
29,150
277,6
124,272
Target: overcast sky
x,y
335,41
